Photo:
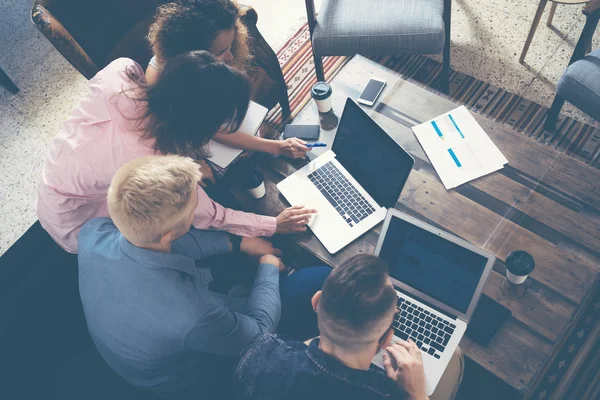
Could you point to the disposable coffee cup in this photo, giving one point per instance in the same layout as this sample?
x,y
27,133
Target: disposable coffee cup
x,y
321,93
519,264
256,184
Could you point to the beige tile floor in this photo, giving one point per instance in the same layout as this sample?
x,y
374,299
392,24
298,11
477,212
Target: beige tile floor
x,y
487,37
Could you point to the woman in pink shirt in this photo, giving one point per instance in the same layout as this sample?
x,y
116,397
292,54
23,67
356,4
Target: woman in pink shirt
x,y
122,118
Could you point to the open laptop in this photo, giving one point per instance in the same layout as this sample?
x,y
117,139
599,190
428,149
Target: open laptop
x,y
438,278
352,184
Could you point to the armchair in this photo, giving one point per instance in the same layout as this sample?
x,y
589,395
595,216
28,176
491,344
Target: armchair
x,y
380,27
91,34
580,84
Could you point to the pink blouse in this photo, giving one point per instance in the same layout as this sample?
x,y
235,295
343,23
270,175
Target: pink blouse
x,y
99,137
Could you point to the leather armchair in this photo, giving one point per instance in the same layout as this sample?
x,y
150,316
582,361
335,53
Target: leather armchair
x,y
91,34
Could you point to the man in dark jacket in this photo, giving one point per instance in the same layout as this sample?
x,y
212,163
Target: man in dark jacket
x,y
355,310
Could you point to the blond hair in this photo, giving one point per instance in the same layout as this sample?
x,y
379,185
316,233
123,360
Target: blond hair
x,y
150,196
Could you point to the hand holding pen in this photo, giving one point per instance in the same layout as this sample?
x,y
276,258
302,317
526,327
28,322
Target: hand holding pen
x,y
318,144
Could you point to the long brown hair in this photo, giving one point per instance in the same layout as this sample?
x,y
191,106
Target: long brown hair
x,y
188,25
194,97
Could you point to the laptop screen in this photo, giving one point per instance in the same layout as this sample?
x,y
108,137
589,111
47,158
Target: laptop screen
x,y
431,264
371,156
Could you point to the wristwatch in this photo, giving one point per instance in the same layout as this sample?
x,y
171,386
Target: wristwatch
x,y
236,243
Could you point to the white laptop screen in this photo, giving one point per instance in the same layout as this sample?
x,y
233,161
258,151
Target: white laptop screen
x,y
371,156
431,264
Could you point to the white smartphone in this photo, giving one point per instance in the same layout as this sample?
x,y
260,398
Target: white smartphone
x,y
371,91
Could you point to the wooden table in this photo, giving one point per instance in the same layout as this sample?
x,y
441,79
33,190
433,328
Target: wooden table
x,y
543,202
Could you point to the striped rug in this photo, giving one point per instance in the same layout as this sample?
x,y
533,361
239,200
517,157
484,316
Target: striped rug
x,y
577,139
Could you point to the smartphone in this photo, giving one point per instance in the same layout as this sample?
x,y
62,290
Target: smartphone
x,y
304,132
371,91
487,320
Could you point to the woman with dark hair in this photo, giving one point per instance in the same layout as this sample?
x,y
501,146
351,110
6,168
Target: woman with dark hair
x,y
211,25
195,96
123,118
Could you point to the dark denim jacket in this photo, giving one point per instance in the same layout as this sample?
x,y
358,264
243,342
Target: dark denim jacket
x,y
274,368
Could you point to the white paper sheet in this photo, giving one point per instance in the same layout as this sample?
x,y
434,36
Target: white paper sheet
x,y
458,148
223,155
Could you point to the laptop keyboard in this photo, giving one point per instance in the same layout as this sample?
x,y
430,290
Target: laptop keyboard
x,y
430,332
347,201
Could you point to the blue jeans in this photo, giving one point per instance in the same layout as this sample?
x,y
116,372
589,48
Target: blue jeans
x,y
298,319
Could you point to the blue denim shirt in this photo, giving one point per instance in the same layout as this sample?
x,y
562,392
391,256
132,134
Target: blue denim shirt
x,y
275,368
152,317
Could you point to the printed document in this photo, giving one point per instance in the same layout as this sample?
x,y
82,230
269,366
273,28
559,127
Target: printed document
x,y
223,155
458,148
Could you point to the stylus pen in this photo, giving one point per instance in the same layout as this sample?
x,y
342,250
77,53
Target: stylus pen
x,y
319,144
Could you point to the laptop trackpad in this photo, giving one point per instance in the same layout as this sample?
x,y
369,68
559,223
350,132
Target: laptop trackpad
x,y
327,219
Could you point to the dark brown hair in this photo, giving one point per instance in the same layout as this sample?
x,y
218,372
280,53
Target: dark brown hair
x,y
188,25
194,97
355,298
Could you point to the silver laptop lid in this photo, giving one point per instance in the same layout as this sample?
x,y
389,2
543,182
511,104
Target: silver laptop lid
x,y
439,268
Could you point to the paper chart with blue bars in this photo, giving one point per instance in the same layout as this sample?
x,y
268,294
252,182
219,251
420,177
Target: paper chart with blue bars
x,y
458,148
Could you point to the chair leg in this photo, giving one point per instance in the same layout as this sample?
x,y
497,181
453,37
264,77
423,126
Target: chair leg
x,y
277,76
534,25
266,58
319,70
551,15
552,116
274,71
7,82
585,39
445,78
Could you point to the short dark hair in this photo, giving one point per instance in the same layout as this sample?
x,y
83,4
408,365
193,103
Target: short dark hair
x,y
355,298
193,98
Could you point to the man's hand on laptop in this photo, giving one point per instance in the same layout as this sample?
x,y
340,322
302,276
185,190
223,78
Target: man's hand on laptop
x,y
258,247
403,364
294,219
293,148
271,259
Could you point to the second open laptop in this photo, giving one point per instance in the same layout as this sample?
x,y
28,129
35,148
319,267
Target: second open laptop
x,y
352,184
438,278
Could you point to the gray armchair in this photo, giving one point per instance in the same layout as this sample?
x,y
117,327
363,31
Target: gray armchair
x,y
380,27
580,84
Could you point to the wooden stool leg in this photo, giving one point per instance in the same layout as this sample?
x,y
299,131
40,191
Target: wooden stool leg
x,y
7,82
534,25
551,15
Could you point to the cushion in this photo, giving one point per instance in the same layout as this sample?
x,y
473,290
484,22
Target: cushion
x,y
580,84
379,27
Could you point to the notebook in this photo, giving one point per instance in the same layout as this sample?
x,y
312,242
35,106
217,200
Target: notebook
x,y
223,155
